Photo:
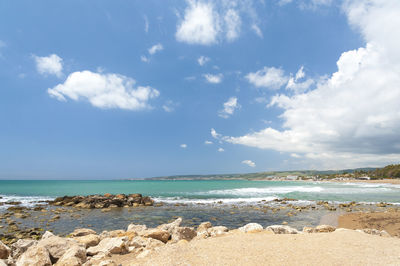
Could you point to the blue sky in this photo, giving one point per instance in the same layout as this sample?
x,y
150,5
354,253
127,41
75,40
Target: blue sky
x,y
121,89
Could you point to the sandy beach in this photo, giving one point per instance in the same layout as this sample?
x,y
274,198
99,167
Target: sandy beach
x,y
343,247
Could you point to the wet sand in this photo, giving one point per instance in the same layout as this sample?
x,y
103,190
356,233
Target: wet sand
x,y
388,221
343,247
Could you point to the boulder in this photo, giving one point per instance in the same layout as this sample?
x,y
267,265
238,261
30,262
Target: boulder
x,y
158,234
19,247
307,229
204,227
217,230
47,234
115,245
111,234
324,228
82,232
142,242
4,251
57,246
374,232
183,233
34,256
147,201
282,229
171,226
251,228
88,240
74,256
137,228
3,263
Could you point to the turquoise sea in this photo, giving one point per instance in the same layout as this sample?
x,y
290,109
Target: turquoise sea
x,y
203,191
232,203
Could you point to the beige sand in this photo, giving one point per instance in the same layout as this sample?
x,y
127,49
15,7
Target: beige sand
x,y
337,248
388,221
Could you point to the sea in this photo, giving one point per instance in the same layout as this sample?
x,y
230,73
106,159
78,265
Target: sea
x,y
232,203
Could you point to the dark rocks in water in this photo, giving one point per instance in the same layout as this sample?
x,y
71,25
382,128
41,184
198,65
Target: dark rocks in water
x,y
103,201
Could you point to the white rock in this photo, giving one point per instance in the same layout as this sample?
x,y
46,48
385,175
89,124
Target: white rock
x,y
35,256
57,246
171,226
73,256
143,254
137,228
183,233
88,240
116,245
3,263
324,228
282,229
47,234
21,246
251,228
82,232
217,230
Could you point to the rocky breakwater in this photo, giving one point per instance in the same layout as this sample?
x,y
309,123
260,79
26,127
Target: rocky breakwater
x,y
103,201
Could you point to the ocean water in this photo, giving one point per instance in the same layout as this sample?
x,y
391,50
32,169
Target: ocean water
x,y
203,191
231,203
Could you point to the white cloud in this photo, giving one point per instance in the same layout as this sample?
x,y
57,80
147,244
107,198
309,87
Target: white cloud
x,y
183,146
200,24
233,23
229,107
268,77
104,91
144,59
284,2
155,48
300,74
49,65
214,79
249,163
207,142
221,150
169,106
214,134
257,30
202,60
352,118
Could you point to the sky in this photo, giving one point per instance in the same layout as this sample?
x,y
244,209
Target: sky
x,y
129,89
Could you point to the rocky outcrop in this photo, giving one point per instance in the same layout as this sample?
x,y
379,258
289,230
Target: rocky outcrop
x,y
374,232
282,229
183,233
116,245
35,256
57,246
74,256
103,201
88,240
22,245
251,228
82,232
4,251
158,234
324,228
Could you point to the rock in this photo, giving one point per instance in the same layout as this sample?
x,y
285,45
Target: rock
x,y
4,251
88,240
3,263
35,256
217,230
142,242
143,254
158,234
57,246
47,234
22,245
324,228
137,228
374,232
307,229
183,233
147,201
282,229
251,228
107,263
74,256
82,232
171,226
111,234
204,226
115,245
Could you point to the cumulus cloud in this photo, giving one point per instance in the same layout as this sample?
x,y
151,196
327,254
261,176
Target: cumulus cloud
x,y
268,77
155,48
202,60
257,30
214,134
210,22
183,146
207,142
221,150
200,24
249,163
352,118
214,79
229,107
104,91
169,106
49,65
